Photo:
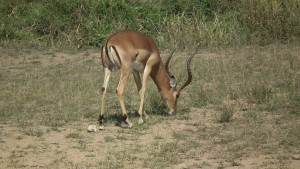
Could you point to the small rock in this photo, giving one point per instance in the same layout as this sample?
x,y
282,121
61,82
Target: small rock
x,y
296,157
92,128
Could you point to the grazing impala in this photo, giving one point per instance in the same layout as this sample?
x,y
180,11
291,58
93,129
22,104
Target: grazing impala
x,y
132,51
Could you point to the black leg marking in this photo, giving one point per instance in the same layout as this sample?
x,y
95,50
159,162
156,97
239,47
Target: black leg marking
x,y
103,89
125,118
101,119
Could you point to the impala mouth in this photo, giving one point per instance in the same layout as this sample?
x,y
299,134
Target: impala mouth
x,y
171,112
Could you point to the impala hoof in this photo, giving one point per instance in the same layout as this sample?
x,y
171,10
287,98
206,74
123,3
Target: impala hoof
x,y
170,113
141,121
146,116
126,125
101,127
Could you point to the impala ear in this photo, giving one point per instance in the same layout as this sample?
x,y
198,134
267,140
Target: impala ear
x,y
173,83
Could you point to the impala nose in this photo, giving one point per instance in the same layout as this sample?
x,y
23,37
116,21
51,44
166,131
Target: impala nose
x,y
171,112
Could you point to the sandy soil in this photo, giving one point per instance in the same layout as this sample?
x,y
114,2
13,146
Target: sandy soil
x,y
71,146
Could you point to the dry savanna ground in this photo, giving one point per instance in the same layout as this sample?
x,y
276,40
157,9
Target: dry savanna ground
x,y
241,111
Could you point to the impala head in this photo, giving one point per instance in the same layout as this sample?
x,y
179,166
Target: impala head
x,y
175,89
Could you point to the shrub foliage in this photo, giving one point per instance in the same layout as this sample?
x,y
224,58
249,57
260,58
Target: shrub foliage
x,y
172,23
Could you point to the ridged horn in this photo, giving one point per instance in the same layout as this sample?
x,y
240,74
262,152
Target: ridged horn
x,y
167,63
189,71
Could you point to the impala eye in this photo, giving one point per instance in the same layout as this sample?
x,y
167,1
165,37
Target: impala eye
x,y
177,95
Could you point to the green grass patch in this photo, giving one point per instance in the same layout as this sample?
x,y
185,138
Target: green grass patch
x,y
173,23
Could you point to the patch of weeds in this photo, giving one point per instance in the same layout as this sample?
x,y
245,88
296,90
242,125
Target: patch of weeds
x,y
236,148
157,137
90,155
74,136
202,97
221,166
19,137
120,136
56,162
116,159
81,166
90,115
109,139
283,157
169,154
234,163
36,62
293,136
227,114
179,136
295,104
251,115
260,92
165,156
54,121
227,138
183,117
82,144
15,162
55,129
18,154
30,146
34,132
203,165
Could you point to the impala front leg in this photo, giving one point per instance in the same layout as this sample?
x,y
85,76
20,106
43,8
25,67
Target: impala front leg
x,y
138,83
146,74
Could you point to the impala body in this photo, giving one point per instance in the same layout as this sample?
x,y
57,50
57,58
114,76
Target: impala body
x,y
136,53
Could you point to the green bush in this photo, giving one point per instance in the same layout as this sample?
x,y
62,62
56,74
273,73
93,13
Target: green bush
x,y
171,22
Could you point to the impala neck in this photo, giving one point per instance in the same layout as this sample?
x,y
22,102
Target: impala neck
x,y
161,79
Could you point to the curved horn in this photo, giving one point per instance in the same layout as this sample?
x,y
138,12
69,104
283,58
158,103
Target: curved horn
x,y
167,63
189,79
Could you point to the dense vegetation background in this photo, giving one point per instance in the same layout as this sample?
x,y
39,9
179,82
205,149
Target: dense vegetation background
x,y
179,23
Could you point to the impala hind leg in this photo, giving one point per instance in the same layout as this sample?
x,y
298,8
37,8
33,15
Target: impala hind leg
x,y
120,91
107,73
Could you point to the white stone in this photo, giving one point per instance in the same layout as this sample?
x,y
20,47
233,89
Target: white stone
x,y
296,157
92,128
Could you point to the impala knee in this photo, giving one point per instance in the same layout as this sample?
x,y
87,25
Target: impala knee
x,y
118,92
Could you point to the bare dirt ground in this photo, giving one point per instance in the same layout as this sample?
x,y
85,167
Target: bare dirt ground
x,y
72,147
195,140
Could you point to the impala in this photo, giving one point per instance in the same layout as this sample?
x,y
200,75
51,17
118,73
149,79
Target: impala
x,y
132,51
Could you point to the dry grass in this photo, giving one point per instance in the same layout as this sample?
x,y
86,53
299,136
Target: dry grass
x,y
242,110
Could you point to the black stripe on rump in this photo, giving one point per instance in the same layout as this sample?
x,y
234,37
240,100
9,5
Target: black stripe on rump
x,y
106,51
102,59
117,55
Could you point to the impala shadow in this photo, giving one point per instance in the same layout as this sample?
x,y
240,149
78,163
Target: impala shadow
x,y
132,115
